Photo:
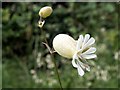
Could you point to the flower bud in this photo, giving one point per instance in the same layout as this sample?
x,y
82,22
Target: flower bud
x,y
64,45
45,11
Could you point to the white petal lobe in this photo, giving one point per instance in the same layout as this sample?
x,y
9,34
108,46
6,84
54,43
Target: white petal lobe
x,y
81,64
89,51
89,56
87,36
80,70
79,42
74,64
81,37
89,43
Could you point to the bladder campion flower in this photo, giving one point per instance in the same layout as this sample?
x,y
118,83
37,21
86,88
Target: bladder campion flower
x,y
79,50
45,11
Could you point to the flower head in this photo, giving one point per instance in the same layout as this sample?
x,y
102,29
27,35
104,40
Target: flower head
x,y
79,50
45,11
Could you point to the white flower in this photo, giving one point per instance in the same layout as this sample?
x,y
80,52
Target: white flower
x,y
79,50
84,51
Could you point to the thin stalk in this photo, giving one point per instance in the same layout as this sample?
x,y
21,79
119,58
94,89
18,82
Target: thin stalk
x,y
52,56
56,70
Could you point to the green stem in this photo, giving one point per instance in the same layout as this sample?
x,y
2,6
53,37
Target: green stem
x,y
52,56
56,70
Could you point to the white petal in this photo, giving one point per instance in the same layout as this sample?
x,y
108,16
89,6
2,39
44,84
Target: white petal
x,y
89,43
87,36
89,51
80,70
89,56
79,42
81,64
81,37
73,61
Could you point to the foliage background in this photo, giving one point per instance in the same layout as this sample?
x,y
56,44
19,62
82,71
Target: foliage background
x,y
19,30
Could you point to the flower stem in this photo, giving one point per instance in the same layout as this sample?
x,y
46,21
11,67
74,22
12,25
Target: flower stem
x,y
56,70
52,56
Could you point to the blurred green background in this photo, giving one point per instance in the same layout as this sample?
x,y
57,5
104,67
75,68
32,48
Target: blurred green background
x,y
20,29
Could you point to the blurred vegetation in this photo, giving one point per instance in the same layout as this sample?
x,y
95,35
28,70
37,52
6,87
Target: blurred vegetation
x,y
20,28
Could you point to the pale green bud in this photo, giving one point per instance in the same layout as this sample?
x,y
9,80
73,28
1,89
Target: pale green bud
x,y
64,45
45,11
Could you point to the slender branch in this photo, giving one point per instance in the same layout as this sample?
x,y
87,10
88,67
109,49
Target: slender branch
x,y
50,50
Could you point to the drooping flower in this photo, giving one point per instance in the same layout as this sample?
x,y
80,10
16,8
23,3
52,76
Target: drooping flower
x,y
77,50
